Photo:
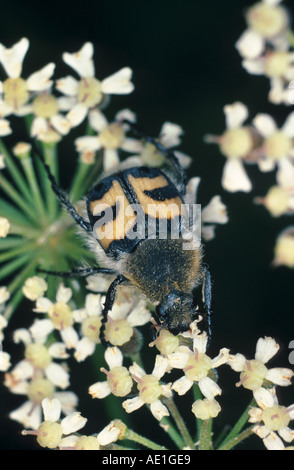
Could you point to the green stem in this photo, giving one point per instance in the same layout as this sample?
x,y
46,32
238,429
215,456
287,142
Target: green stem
x,y
197,396
14,265
31,177
15,173
50,156
78,189
15,196
16,284
180,422
13,214
237,439
205,435
24,248
10,242
239,425
133,436
166,425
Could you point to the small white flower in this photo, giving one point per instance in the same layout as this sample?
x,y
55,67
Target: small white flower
x,y
34,287
51,431
90,320
150,389
89,92
110,137
119,381
271,419
40,357
254,372
236,144
16,90
278,66
277,148
61,316
196,365
267,24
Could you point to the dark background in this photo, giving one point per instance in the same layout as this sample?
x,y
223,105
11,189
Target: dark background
x,y
186,68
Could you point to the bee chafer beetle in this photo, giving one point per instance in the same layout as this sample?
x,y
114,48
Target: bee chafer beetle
x,y
142,226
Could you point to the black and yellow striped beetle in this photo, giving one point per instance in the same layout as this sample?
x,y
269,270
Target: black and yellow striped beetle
x,y
153,260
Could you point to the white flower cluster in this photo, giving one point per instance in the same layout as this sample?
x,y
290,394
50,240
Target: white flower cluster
x,y
43,376
267,49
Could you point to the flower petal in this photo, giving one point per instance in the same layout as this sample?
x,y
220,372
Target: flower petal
x,y
58,375
280,376
81,61
215,212
28,415
158,410
209,388
109,434
40,80
132,404
250,44
160,366
119,83
236,114
235,177
67,85
266,348
12,58
72,423
113,357
170,134
265,124
51,409
99,390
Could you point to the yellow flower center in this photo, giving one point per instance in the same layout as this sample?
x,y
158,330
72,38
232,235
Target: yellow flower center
x,y
253,375
15,92
236,143
277,64
38,355
49,434
166,342
61,315
284,250
87,443
276,201
277,145
39,389
91,328
149,388
151,156
276,417
197,366
112,136
118,332
90,92
45,105
120,381
267,20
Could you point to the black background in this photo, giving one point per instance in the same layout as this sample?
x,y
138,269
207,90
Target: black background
x,y
186,68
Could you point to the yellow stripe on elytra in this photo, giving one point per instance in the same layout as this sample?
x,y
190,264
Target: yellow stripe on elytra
x,y
125,216
167,209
